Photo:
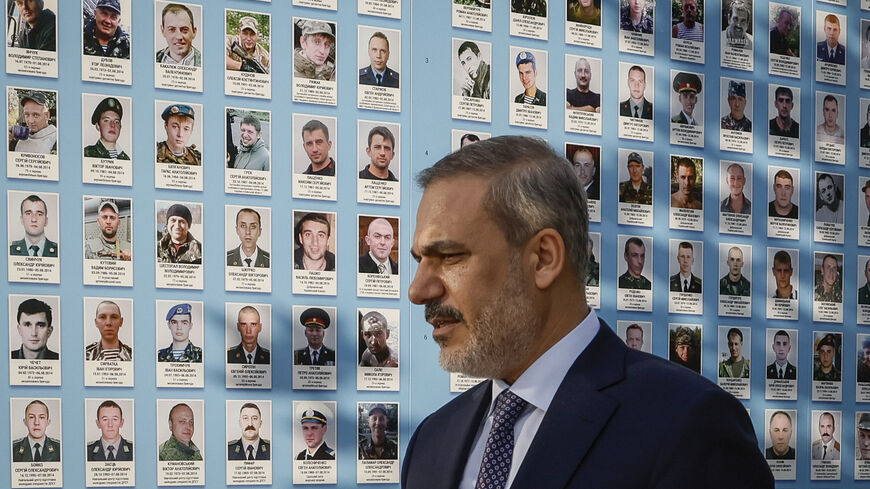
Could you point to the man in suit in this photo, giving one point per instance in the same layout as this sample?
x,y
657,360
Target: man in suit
x,y
826,447
36,446
781,368
313,428
248,254
250,446
111,445
830,50
34,217
249,349
577,411
34,327
315,321
378,73
586,168
685,280
380,239
637,105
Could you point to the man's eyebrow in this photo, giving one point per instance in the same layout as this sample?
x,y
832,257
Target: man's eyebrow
x,y
437,247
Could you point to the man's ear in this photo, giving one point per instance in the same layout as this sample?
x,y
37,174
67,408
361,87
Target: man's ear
x,y
547,252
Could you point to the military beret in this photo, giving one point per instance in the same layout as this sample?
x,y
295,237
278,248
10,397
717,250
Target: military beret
x,y
181,211
310,27
737,88
526,57
177,109
248,22
178,309
108,103
634,156
37,97
687,82
314,316
864,422
112,4
312,416
378,407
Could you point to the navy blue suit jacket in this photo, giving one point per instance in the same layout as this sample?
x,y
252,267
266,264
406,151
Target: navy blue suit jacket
x,y
823,54
620,419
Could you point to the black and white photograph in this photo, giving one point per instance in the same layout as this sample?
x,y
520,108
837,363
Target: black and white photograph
x,y
736,44
830,208
472,82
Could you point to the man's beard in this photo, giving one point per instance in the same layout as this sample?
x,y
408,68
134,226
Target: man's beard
x,y
499,338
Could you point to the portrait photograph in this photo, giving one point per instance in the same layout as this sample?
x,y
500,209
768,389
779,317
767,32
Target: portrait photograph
x,y
471,74
108,229
378,245
315,334
830,47
248,334
35,421
178,130
830,120
862,358
825,448
735,270
248,43
586,161
528,18
377,431
687,97
178,35
783,194
583,11
315,442
865,53
314,49
249,442
635,186
687,30
250,142
110,423
785,30
735,108
583,81
780,436
379,164
379,56
827,366
636,96
34,332
379,338
33,226
106,133
460,138
314,236
180,328
314,145
32,116
828,277
737,32
107,41
593,273
31,25
178,225
735,187
784,269
528,87
684,345
687,182
248,236
636,334
636,268
781,353
864,116
685,266
108,329
637,16
180,437
830,207
734,359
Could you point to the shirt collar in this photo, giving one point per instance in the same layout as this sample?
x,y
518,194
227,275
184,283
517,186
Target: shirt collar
x,y
253,257
536,384
378,262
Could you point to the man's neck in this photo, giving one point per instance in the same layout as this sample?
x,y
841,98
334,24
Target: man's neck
x,y
784,122
737,198
531,91
310,264
828,369
249,347
110,442
248,251
582,90
832,46
780,453
379,172
636,184
35,239
689,23
180,58
173,149
312,451
737,360
734,278
784,293
638,101
830,128
378,441
783,364
315,348
383,355
108,239
180,345
37,440
827,288
782,210
319,166
32,354
635,17
114,345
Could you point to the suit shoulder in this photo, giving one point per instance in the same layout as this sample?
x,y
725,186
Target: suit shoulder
x,y
264,253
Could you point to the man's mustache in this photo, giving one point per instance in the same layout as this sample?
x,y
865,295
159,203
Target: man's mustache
x,y
437,309
250,427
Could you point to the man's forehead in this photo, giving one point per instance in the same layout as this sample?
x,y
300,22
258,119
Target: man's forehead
x,y
36,409
448,208
108,307
36,316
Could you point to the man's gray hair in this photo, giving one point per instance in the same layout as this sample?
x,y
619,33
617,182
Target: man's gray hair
x,y
531,188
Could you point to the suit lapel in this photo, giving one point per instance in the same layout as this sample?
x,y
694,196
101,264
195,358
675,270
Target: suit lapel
x,y
577,414
452,454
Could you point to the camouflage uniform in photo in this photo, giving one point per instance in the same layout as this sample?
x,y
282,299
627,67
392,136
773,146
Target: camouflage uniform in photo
x,y
367,450
744,124
192,354
98,248
188,252
190,156
118,46
172,449
740,287
99,151
833,375
305,68
628,194
259,55
626,281
835,294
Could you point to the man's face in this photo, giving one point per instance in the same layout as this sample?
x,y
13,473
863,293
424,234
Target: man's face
x,y
458,247
179,327
108,222
686,180
832,33
470,62
634,338
105,22
735,346
688,99
378,424
177,227
782,191
826,427
864,443
636,6
867,271
785,23
683,352
826,356
375,335
867,197
316,146
178,30
249,39
109,126
737,104
249,326
109,321
868,114
831,111
380,239
33,218
784,104
686,258
527,75
314,335
827,191
35,116
781,347
314,237
316,47
181,424
830,271
584,167
379,53
782,274
250,422
738,22
380,151
583,74
635,172
34,331
312,432
690,11
735,179
110,421
735,262
780,433
636,83
248,134
36,419
248,229
635,257
178,131
29,10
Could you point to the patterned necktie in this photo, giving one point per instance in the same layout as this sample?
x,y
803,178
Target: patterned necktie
x,y
35,250
248,261
111,449
250,452
382,269
37,456
379,78
498,454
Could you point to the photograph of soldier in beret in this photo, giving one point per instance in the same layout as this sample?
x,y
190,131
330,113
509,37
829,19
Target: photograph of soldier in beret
x,y
179,121
180,321
106,28
107,119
